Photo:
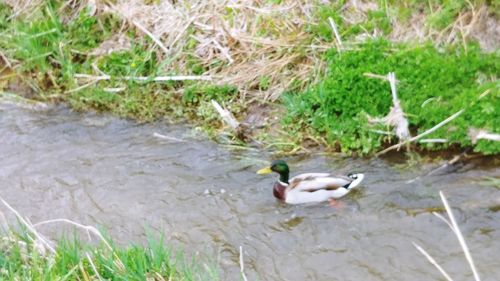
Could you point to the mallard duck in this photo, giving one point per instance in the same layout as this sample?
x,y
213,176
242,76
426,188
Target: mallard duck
x,y
309,187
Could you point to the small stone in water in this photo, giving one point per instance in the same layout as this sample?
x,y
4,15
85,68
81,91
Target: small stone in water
x,y
206,192
222,191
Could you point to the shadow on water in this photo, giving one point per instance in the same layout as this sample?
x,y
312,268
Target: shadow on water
x,y
105,171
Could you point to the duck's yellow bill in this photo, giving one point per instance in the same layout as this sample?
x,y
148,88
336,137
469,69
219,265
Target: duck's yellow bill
x,y
264,171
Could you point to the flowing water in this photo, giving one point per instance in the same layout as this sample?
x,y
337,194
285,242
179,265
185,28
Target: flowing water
x,y
100,170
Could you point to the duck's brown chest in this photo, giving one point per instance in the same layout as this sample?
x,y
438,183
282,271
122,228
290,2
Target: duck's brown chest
x,y
279,191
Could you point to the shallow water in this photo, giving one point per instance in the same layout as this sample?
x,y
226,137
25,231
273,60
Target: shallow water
x,y
100,170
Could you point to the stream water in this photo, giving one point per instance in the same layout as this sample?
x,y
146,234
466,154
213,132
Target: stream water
x,y
100,170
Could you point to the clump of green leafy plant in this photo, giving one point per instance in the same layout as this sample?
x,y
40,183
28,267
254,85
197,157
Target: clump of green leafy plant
x,y
433,84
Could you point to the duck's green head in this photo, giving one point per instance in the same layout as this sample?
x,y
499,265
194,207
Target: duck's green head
x,y
277,166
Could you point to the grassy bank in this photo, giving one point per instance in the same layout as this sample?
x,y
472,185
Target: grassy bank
x,y
27,254
23,257
433,84
276,65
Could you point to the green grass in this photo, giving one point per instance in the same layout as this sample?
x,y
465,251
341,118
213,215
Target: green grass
x,y
439,14
434,84
55,52
375,20
20,260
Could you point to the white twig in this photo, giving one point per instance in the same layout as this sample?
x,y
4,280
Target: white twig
x,y
262,11
91,7
433,171
452,223
460,237
242,265
484,94
82,87
432,261
5,59
444,220
96,69
181,33
378,76
431,130
391,77
154,38
70,272
93,267
164,137
114,90
88,228
397,114
144,78
225,115
335,31
433,140
427,101
29,227
224,51
475,135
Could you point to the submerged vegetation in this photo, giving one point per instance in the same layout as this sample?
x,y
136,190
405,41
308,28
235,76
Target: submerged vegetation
x,y
278,66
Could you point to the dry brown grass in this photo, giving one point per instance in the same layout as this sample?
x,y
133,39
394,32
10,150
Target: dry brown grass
x,y
23,7
249,40
243,42
237,42
475,23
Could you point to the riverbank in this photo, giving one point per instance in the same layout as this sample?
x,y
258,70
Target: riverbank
x,y
297,76
23,259
26,254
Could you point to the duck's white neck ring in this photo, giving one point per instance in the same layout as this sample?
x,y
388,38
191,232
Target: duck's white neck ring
x,y
283,183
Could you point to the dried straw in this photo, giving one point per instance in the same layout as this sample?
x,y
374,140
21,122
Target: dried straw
x,y
226,115
452,223
242,265
396,117
253,40
481,134
431,130
432,261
